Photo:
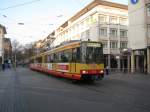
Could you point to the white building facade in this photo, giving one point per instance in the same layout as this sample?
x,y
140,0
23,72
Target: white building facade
x,y
2,33
139,35
102,21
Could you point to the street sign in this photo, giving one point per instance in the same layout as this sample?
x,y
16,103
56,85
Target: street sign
x,y
134,1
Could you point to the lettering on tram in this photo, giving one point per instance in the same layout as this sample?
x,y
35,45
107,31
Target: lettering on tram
x,y
78,60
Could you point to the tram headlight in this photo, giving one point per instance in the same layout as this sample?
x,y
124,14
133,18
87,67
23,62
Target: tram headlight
x,y
84,72
101,71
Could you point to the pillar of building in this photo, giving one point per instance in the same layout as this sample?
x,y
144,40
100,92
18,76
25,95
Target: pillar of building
x,y
34,59
109,61
128,67
132,62
137,63
145,63
148,60
118,63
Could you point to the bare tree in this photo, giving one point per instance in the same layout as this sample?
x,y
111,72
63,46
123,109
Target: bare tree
x,y
16,51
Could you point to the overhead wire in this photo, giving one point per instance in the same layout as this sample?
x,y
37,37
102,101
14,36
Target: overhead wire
x,y
19,5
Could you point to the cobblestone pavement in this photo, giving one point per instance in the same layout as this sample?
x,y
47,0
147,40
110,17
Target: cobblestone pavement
x,y
24,90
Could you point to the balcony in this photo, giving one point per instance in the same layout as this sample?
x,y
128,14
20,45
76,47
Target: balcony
x,y
114,51
111,51
103,24
113,38
115,26
125,27
123,38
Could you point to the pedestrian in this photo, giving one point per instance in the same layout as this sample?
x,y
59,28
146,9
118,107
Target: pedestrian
x,y
9,64
107,70
3,66
145,70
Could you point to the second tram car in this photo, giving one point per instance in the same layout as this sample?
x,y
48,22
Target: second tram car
x,y
79,60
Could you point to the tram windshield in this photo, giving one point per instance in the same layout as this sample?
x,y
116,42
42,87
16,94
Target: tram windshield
x,y
92,53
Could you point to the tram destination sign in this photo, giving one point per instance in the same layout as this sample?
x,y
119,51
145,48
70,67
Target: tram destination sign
x,y
94,44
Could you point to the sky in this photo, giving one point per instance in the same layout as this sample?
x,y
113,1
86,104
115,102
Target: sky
x,y
39,17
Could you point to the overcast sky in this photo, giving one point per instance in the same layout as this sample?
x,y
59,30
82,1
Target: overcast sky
x,y
40,17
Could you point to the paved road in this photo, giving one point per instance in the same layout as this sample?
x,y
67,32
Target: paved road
x,y
27,91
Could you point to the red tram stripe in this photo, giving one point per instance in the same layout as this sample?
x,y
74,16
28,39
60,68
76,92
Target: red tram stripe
x,y
56,73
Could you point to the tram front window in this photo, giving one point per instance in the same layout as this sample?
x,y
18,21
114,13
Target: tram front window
x,y
93,55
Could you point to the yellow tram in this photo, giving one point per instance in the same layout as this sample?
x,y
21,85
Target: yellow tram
x,y
79,60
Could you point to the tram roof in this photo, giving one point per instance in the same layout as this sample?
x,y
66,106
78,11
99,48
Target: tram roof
x,y
65,46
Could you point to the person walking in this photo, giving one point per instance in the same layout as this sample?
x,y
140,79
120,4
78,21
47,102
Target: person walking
x,y
9,64
3,66
107,70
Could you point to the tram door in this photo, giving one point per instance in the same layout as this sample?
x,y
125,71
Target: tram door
x,y
73,63
73,67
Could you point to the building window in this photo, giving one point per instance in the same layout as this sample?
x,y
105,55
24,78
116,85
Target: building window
x,y
113,20
114,45
87,33
113,32
93,18
103,32
123,21
123,33
87,21
81,25
105,44
102,18
148,10
123,45
148,30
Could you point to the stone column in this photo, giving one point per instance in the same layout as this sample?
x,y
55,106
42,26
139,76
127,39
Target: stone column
x,y
132,62
128,63
137,63
148,60
109,61
145,68
118,62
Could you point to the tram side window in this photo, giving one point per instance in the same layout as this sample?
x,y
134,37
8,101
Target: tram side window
x,y
66,56
45,59
39,60
56,57
31,60
50,58
59,56
76,55
98,56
